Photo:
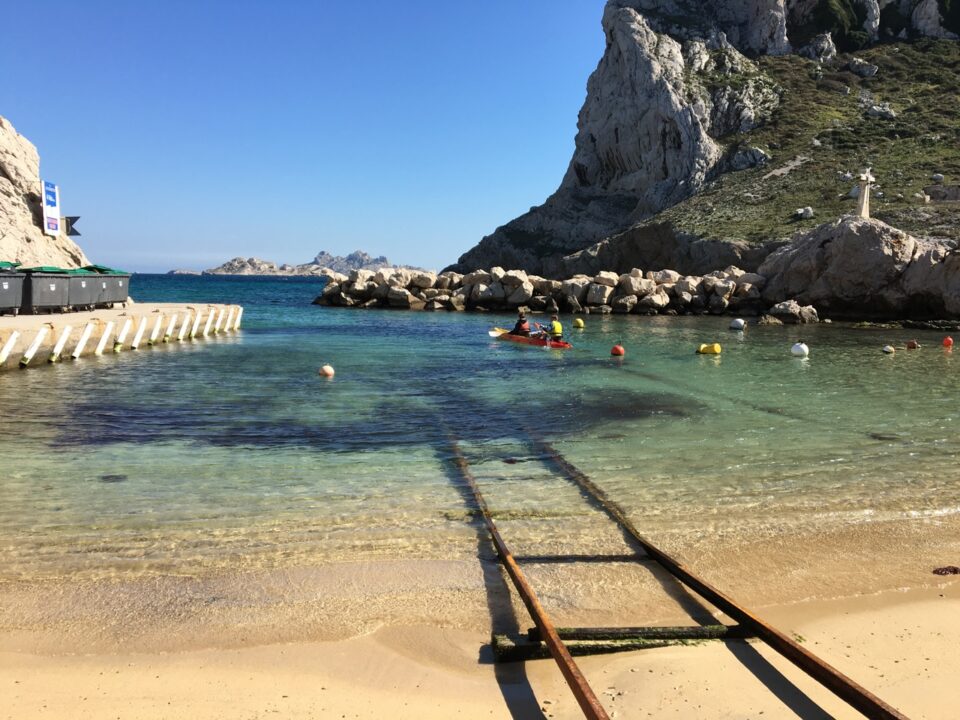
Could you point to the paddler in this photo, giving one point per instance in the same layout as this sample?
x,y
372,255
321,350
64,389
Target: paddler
x,y
555,331
522,327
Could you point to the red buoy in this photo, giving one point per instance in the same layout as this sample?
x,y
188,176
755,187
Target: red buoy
x,y
948,342
912,345
618,350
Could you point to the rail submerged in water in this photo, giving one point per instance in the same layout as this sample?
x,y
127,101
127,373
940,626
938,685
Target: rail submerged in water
x,y
35,340
546,640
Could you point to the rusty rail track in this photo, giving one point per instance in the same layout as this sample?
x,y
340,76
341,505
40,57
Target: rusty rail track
x,y
828,676
584,694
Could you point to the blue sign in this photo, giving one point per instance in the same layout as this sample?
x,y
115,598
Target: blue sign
x,y
49,194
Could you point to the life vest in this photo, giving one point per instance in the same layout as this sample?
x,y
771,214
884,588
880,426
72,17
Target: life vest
x,y
556,329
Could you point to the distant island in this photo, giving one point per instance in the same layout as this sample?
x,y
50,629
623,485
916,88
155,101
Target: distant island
x,y
324,263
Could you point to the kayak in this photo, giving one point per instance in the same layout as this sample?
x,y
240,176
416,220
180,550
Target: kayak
x,y
525,340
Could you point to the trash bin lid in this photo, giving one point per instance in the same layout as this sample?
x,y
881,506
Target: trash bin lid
x,y
7,265
104,270
48,269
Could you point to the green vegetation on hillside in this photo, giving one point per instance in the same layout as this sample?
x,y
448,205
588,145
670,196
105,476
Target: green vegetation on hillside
x,y
821,130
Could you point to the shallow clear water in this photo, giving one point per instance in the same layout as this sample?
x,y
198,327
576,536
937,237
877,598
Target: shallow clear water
x,y
232,454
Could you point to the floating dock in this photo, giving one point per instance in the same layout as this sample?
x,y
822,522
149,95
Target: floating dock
x,y
28,341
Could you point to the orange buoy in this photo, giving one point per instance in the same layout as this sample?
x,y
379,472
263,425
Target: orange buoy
x,y
617,350
948,342
912,345
326,371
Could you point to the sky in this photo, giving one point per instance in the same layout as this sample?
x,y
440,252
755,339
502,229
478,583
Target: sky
x,y
185,133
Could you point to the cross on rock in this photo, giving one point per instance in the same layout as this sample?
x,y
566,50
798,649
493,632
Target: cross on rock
x,y
863,199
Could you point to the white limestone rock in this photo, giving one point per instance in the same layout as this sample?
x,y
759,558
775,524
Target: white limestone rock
x,y
604,277
598,294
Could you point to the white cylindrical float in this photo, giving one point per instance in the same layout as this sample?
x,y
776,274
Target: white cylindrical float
x,y
196,324
738,324
228,326
34,346
216,325
58,348
206,328
236,325
8,346
138,336
800,349
171,326
122,335
84,336
104,339
155,333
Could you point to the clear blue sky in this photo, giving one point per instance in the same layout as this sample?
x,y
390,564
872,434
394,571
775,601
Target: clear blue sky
x,y
186,133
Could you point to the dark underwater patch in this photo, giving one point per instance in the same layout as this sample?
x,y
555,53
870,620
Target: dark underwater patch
x,y
396,424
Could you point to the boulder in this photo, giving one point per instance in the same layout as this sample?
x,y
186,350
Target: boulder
x,y
656,300
624,304
448,280
423,279
514,278
724,288
634,285
854,267
497,273
572,304
790,312
862,67
752,279
598,294
717,305
666,276
360,277
604,277
576,286
519,294
477,277
689,284
400,298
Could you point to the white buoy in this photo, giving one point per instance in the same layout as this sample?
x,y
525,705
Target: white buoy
x,y
196,324
155,333
84,336
236,325
738,324
327,371
104,339
34,346
206,328
122,335
8,347
228,325
889,349
138,336
171,326
800,349
58,348
216,325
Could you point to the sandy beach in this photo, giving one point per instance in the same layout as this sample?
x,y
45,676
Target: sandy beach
x,y
900,645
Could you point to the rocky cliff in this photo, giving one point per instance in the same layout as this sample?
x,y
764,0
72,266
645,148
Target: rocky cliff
x,y
689,94
21,237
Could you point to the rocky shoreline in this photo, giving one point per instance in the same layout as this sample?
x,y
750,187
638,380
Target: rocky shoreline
x,y
853,268
663,292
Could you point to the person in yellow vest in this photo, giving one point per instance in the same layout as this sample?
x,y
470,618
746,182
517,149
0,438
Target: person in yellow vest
x,y
554,331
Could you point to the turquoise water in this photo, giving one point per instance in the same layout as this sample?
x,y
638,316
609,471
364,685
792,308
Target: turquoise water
x,y
232,454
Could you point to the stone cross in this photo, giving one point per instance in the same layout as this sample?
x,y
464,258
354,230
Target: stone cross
x,y
863,199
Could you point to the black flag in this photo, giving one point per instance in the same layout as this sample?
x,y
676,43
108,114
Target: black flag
x,y
70,225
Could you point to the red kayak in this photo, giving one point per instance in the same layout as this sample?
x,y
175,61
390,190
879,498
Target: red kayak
x,y
501,334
